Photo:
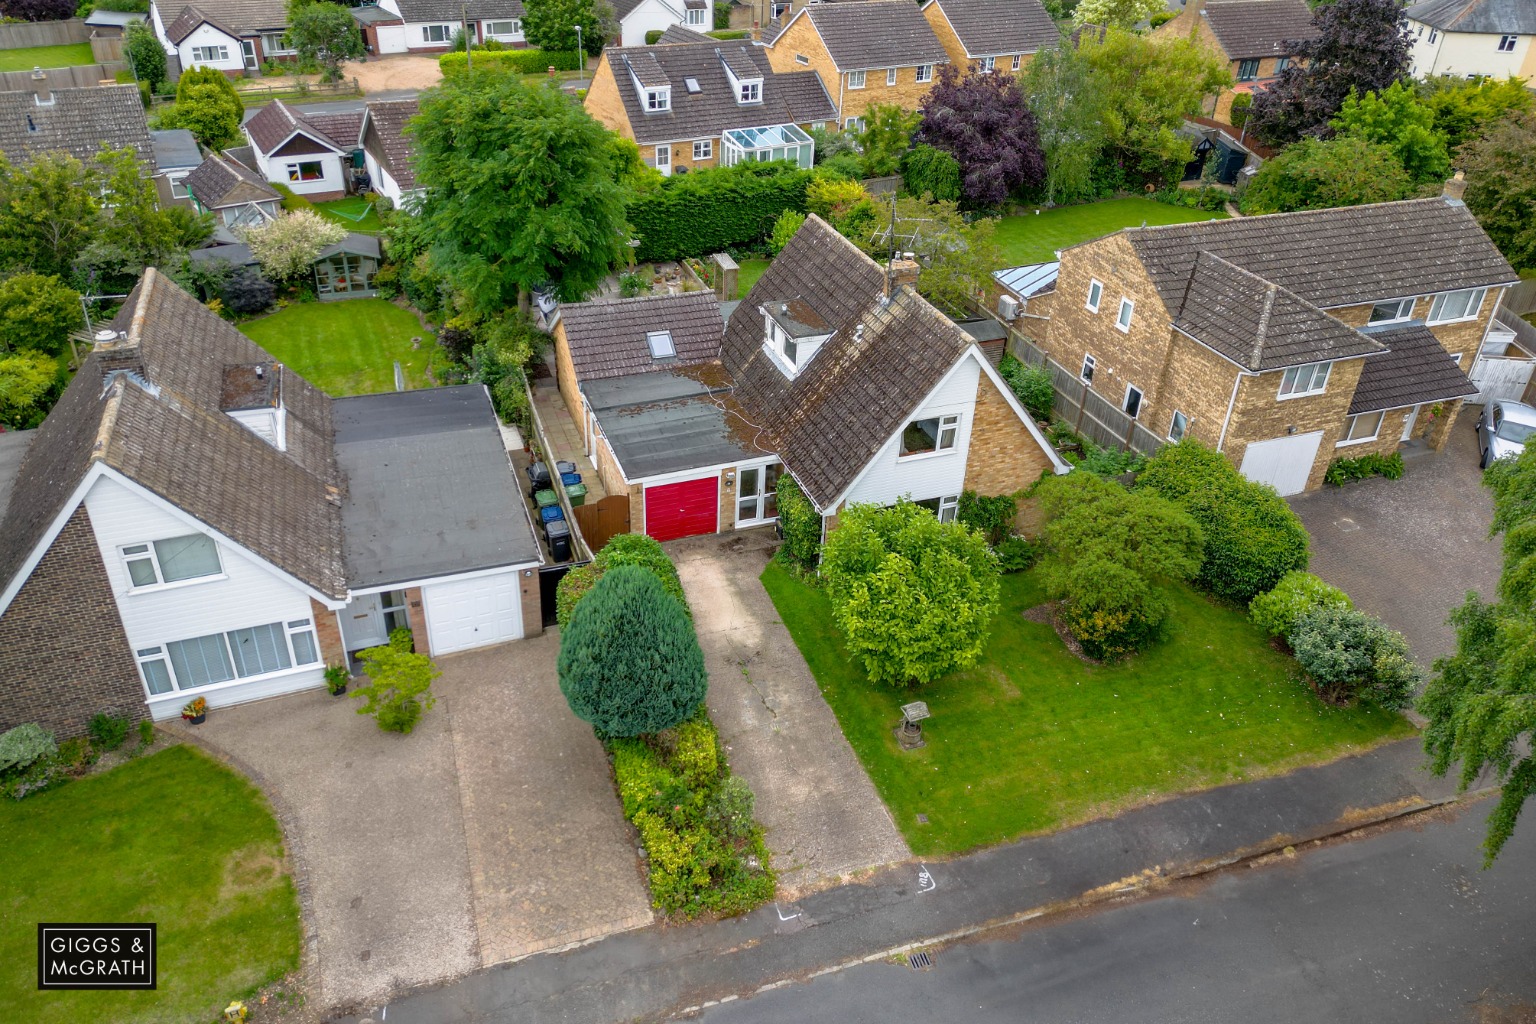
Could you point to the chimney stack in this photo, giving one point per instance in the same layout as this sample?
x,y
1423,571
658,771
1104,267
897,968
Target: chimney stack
x,y
757,32
43,93
1456,189
902,270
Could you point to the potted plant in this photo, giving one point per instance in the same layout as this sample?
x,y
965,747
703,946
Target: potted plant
x,y
336,677
195,711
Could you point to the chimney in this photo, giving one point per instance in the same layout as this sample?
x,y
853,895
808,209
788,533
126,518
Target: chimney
x,y
106,340
40,88
903,270
757,32
1455,189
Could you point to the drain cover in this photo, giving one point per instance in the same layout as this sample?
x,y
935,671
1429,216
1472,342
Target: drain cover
x,y
918,961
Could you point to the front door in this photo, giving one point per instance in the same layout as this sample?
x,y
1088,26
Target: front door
x,y
248,51
757,498
362,623
1408,423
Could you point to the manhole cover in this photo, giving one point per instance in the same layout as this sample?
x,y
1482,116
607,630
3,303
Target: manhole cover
x,y
918,961
1347,525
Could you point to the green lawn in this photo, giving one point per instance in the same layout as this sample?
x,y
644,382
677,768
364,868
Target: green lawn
x,y
174,838
1034,238
747,276
349,213
347,347
29,57
1033,739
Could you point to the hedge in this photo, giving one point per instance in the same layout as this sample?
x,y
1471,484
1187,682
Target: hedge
x,y
713,210
522,62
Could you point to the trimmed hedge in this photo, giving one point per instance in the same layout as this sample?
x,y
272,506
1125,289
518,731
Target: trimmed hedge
x,y
520,62
713,210
1298,594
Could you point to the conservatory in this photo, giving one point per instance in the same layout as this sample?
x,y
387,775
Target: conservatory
x,y
776,142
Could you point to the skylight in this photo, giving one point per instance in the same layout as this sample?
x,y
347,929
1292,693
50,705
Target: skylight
x,y
660,343
693,86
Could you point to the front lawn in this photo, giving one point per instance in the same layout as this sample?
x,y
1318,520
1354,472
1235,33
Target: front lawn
x,y
347,347
353,213
63,56
1033,739
1034,238
174,838
747,276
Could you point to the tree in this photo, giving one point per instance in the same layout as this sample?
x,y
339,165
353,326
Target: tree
x,y
1069,113
38,10
789,222
37,312
399,685
1396,118
1316,174
134,219
1121,13
1363,46
325,33
26,378
1501,186
629,661
1464,108
957,256
931,173
49,211
519,190
887,134
145,54
286,247
207,106
914,597
246,292
983,122
550,25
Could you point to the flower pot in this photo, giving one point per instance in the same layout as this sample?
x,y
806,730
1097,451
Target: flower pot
x,y
340,692
197,719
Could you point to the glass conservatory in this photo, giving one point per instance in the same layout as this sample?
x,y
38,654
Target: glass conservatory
x,y
776,142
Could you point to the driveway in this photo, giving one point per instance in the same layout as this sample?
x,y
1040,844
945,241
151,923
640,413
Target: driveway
x,y
823,818
396,73
490,832
1408,550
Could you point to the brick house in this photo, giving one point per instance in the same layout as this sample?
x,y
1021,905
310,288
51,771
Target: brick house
x,y
195,519
991,35
80,122
832,370
867,53
1288,340
235,195
312,154
1253,37
709,104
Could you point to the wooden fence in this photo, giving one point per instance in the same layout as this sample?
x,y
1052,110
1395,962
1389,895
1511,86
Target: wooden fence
x,y
602,520
81,77
1087,412
1521,298
106,49
43,33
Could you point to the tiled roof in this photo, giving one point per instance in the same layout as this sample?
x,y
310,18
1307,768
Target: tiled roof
x,y
678,34
795,97
607,337
1334,257
340,128
389,119
219,181
1259,28
875,34
77,121
1486,16
235,17
1258,324
879,363
159,423
274,123
188,22
1417,369
451,10
988,28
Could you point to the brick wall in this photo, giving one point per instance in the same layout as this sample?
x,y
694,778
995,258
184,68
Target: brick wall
x,y
332,650
63,653
802,39
1463,338
565,380
417,616
727,505
956,49
1258,414
1004,456
603,101
1196,382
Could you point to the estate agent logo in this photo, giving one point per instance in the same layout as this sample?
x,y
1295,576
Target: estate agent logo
x,y
103,956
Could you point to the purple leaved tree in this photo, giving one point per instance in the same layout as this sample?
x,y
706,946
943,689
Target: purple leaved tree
x,y
983,121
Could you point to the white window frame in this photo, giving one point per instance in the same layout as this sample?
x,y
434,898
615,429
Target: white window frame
x,y
145,551
280,48
924,73
1086,373
209,54
704,149
1507,43
946,443
855,79
1437,307
515,29
296,173
445,33
750,92
658,101
1404,311
1095,295
1350,422
949,508
289,629
1126,315
696,15
987,65
853,124
178,185
801,58
818,126
1141,401
1178,427
1018,61
890,76
1293,375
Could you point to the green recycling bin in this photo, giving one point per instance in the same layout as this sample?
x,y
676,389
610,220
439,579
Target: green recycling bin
x,y
577,493
545,498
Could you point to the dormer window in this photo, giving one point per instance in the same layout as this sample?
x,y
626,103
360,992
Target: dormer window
x,y
660,344
657,100
742,71
750,92
793,332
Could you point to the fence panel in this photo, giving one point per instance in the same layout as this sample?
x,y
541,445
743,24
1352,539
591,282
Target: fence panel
x,y
107,49
601,520
883,186
1144,441
81,77
43,33
1521,298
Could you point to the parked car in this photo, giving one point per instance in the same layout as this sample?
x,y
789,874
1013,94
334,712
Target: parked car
x,y
1503,429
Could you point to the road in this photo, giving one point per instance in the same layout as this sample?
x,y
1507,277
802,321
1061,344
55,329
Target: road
x,y
1402,926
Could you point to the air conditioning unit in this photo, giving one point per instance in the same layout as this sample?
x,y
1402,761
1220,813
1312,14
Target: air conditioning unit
x,y
1007,307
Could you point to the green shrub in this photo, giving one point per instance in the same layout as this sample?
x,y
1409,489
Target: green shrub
x,y
731,807
714,209
1162,18
1015,554
518,62
728,34
931,172
108,730
632,285
696,753
1242,104
24,746
801,525
573,586
642,777
720,20
146,732
1110,610
1252,538
784,229
646,552
1031,385
651,36
991,517
401,639
75,756
1297,594
1110,462
509,397
1342,471
398,691
1355,657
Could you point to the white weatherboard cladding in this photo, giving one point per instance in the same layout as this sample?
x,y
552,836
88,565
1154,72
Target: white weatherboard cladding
x,y
207,35
474,612
250,595
383,182
889,477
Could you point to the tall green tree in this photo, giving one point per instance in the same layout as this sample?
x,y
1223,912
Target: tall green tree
x,y
1317,174
551,24
519,190
1501,186
1120,13
886,136
1464,108
37,312
1397,119
145,54
1069,112
50,209
957,255
326,33
26,378
207,106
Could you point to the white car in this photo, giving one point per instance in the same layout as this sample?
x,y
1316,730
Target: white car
x,y
1503,429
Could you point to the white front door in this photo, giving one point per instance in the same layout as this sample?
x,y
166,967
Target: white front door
x,y
757,499
362,623
473,612
1284,463
664,159
248,51
1409,421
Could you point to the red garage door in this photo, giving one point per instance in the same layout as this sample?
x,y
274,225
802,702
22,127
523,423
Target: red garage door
x,y
682,510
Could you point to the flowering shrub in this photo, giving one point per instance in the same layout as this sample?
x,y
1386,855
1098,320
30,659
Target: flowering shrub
x,y
286,247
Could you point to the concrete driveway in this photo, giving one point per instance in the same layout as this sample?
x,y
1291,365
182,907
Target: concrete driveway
x,y
1408,550
489,833
823,817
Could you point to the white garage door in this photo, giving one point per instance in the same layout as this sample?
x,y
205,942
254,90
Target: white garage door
x,y
392,39
474,612
1282,462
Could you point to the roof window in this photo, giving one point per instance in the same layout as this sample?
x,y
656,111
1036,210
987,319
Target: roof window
x,y
692,85
660,344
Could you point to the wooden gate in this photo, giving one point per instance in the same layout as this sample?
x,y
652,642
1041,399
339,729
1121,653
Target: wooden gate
x,y
1500,379
600,520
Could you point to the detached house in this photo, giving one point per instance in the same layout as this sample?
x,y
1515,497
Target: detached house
x,y
195,519
710,104
636,18
80,122
234,36
991,35
387,149
312,154
1474,38
833,369
1288,340
1253,37
428,26
867,52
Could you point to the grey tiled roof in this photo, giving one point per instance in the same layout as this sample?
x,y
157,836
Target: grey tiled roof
x,y
988,28
237,17
795,97
1258,324
188,21
875,34
272,125
607,337
1259,28
1334,257
341,128
1416,370
78,122
678,34
219,181
390,118
450,10
1489,16
169,436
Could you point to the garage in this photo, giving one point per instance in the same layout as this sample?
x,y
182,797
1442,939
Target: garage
x,y
683,509
473,613
1284,463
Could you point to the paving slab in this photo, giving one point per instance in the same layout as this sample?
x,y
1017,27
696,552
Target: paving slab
x,y
823,818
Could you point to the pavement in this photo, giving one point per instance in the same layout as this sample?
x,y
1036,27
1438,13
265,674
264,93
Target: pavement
x,y
564,439
824,820
1408,550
